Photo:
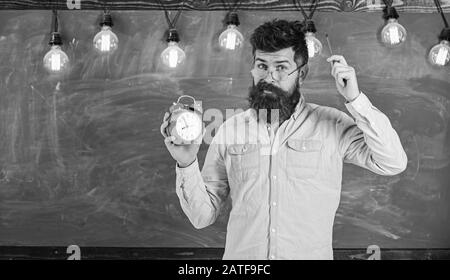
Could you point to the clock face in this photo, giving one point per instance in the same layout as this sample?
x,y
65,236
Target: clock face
x,y
189,126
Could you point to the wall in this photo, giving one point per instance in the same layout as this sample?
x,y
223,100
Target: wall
x,y
84,162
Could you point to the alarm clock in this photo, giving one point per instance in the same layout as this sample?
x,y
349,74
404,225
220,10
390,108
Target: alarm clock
x,y
185,121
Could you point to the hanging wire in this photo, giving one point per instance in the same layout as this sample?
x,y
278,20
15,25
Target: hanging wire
x,y
388,3
177,16
232,8
55,21
438,5
54,24
105,7
312,9
171,23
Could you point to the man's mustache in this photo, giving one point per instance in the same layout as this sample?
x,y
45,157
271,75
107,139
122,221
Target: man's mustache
x,y
264,86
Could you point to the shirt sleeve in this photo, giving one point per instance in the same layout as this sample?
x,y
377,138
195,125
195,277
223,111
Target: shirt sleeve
x,y
369,140
203,194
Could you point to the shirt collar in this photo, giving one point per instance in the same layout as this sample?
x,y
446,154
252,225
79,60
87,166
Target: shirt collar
x,y
299,107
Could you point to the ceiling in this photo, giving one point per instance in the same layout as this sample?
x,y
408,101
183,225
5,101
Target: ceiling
x,y
407,6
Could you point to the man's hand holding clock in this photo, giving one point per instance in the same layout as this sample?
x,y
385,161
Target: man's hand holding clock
x,y
185,154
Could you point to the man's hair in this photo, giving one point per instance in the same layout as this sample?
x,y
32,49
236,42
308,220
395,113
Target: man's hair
x,y
278,34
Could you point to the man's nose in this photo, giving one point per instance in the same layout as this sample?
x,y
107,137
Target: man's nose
x,y
270,77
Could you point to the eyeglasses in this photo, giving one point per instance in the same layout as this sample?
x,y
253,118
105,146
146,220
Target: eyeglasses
x,y
261,71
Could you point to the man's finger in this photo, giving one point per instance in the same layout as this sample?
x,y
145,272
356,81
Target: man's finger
x,y
338,69
337,64
166,116
337,58
341,76
169,141
344,74
163,129
164,124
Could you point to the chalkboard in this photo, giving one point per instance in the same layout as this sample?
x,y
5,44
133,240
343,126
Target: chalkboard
x,y
82,160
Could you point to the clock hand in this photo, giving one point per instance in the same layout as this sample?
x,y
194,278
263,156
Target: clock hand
x,y
183,123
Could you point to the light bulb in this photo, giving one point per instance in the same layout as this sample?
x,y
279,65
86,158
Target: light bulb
x,y
313,44
440,54
56,61
393,34
173,55
231,38
106,41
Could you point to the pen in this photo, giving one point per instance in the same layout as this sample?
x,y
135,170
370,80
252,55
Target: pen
x,y
329,46
331,52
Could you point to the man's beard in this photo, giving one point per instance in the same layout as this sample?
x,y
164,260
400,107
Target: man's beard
x,y
269,97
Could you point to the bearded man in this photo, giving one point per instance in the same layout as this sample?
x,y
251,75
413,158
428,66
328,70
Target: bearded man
x,y
283,167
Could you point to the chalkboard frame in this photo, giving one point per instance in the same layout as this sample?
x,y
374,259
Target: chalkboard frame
x,y
127,253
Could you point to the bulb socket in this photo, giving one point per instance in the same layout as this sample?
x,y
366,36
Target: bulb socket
x,y
106,20
390,12
173,36
310,26
55,39
445,34
232,18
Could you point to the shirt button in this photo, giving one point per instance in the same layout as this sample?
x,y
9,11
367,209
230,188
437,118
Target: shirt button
x,y
274,203
272,257
274,177
273,230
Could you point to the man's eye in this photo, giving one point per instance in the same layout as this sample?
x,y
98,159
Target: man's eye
x,y
262,66
281,68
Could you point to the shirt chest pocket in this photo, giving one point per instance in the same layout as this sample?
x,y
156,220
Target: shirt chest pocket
x,y
303,158
245,161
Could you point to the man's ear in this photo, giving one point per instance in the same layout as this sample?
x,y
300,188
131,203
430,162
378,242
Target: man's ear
x,y
303,72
